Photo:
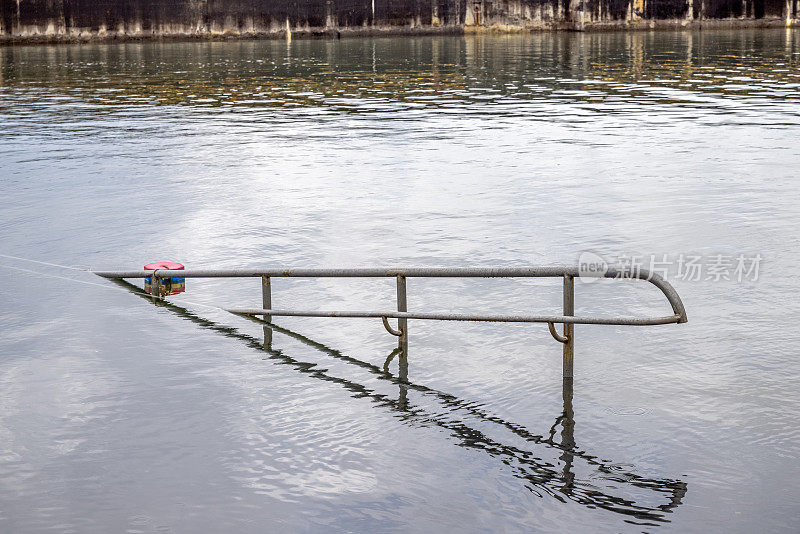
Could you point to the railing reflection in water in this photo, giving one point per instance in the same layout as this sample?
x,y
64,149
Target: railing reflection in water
x,y
538,475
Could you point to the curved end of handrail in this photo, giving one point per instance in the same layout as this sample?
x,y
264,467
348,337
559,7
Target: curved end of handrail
x,y
658,281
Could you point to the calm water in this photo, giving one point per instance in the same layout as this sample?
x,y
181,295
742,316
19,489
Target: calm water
x,y
116,415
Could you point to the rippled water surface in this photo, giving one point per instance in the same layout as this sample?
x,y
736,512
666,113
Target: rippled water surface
x,y
116,415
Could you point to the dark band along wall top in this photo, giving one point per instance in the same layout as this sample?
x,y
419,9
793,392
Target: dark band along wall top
x,y
138,19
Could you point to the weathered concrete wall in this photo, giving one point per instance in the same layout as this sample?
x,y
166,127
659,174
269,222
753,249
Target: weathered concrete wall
x,y
31,20
601,14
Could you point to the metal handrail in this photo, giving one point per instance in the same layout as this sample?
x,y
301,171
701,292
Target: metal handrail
x,y
568,273
560,319
679,315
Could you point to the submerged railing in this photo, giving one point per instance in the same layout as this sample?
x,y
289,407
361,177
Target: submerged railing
x,y
568,317
472,429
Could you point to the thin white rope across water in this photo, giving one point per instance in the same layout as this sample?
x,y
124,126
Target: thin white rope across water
x,y
45,263
104,286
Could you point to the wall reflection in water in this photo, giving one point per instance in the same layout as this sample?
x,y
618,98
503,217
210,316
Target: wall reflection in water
x,y
444,72
580,476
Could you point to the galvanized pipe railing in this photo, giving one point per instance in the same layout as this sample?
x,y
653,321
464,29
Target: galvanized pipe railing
x,y
568,318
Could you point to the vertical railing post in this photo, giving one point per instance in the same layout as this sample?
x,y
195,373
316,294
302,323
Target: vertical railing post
x,y
402,305
567,438
266,304
569,328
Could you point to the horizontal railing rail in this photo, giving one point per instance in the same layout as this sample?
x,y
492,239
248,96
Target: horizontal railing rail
x,y
568,273
560,319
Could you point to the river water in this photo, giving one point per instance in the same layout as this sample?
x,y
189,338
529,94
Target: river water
x,y
668,148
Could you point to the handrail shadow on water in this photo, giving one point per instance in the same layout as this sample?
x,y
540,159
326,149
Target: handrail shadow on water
x,y
538,474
